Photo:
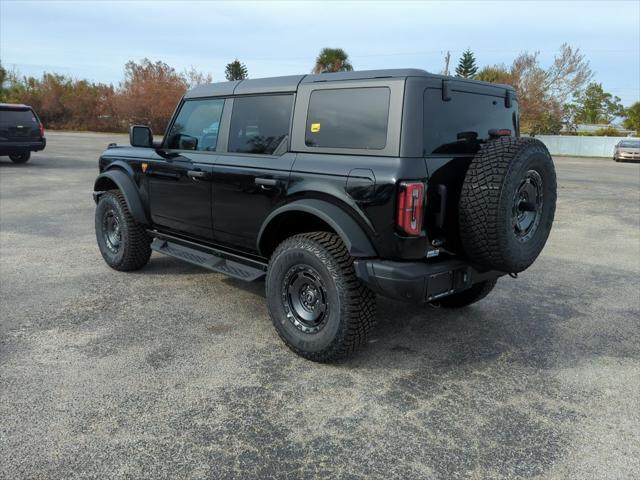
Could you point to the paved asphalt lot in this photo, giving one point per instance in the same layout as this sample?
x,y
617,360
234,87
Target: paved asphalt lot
x,y
175,372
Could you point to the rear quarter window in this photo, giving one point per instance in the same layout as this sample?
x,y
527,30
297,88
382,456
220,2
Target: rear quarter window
x,y
459,125
354,118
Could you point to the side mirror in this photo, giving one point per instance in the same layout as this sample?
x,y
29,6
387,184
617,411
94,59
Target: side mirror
x,y
140,136
187,142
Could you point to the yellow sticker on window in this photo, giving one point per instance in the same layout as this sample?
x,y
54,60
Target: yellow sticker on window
x,y
315,127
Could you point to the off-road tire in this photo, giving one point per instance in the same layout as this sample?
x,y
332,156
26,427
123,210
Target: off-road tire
x,y
22,157
134,248
472,295
351,306
490,190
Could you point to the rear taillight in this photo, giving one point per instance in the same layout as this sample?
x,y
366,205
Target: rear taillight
x,y
499,132
41,127
410,207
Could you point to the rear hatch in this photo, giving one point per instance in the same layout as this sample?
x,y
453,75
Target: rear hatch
x,y
18,124
459,117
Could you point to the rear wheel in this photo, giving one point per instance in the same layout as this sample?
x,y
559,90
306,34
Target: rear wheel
x,y
317,305
22,157
472,295
124,243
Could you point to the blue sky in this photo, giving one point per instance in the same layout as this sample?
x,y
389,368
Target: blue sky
x,y
94,39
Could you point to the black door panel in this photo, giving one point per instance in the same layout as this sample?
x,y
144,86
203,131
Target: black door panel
x,y
180,197
252,177
246,189
180,184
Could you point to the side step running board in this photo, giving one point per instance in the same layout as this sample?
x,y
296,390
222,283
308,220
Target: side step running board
x,y
212,260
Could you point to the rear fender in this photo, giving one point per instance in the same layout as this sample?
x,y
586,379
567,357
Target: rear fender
x,y
351,233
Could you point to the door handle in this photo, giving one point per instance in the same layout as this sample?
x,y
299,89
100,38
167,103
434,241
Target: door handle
x,y
196,173
266,183
156,173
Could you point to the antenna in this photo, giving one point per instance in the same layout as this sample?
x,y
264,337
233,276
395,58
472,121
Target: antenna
x,y
447,58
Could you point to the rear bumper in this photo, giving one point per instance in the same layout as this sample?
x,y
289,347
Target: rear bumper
x,y
419,282
7,148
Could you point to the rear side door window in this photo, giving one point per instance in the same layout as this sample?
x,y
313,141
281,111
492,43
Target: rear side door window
x,y
196,126
259,124
354,118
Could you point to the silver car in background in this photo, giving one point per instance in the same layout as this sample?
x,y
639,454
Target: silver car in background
x,y
627,151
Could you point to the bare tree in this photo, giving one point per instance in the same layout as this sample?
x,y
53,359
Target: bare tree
x,y
569,73
542,92
193,77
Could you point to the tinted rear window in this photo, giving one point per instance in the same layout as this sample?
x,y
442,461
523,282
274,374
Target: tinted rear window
x,y
260,123
20,116
457,126
355,118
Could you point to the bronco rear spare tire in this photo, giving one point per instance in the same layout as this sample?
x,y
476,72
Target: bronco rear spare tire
x,y
507,204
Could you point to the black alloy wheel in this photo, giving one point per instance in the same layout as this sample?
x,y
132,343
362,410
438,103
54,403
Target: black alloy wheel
x,y
304,297
111,230
527,206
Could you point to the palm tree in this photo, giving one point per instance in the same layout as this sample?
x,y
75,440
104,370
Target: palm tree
x,y
332,60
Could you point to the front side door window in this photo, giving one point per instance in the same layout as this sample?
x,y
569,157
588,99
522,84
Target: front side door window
x,y
196,126
180,181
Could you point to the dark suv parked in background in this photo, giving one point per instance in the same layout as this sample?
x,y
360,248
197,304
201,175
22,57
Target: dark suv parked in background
x,y
21,132
335,187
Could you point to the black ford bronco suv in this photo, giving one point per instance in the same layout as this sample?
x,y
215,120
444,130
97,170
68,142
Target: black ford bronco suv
x,y
335,187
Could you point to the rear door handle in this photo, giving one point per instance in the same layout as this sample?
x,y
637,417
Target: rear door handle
x,y
196,173
266,182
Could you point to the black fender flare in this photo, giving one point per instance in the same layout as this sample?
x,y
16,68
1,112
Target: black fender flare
x,y
352,234
128,188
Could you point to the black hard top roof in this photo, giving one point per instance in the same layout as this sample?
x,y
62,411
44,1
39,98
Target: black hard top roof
x,y
290,83
14,106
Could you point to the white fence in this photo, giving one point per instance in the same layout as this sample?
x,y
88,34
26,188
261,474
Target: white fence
x,y
580,146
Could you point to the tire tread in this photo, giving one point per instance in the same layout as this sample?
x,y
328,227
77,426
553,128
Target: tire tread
x,y
480,214
137,245
360,308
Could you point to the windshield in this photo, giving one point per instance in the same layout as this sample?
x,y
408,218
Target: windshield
x,y
629,144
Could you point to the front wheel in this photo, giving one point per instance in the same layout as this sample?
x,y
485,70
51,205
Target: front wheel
x,y
22,157
317,305
124,243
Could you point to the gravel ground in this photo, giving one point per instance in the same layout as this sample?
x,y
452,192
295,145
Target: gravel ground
x,y
175,372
